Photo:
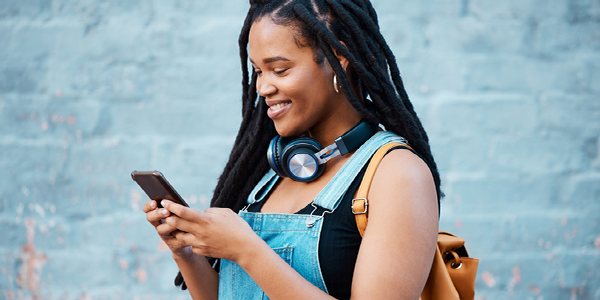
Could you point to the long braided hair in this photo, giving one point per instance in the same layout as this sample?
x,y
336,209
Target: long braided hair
x,y
324,25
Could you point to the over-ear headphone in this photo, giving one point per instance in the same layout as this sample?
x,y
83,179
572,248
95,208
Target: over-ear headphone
x,y
303,158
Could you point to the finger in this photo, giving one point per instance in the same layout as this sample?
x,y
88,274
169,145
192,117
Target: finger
x,y
165,229
152,219
157,214
182,224
181,211
185,238
154,223
148,206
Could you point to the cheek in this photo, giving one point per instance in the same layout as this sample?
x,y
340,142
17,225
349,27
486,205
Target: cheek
x,y
310,83
297,86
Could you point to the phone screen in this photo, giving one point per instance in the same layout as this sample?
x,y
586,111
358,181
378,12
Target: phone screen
x,y
156,186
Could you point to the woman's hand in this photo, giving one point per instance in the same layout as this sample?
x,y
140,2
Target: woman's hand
x,y
201,279
165,231
216,232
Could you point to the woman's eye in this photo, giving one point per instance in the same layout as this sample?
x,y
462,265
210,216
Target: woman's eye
x,y
279,71
257,71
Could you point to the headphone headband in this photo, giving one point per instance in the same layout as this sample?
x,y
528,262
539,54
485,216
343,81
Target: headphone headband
x,y
353,138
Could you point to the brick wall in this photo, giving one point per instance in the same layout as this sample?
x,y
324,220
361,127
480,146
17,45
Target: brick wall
x,y
91,90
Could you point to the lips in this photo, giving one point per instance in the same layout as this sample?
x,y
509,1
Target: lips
x,y
276,108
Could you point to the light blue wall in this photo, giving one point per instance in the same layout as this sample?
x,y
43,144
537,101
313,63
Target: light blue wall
x,y
91,90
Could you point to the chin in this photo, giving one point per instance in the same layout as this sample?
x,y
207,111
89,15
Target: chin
x,y
287,130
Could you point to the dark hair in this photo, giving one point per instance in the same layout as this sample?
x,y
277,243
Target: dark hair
x,y
321,24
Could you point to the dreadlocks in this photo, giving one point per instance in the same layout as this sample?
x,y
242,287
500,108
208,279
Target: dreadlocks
x,y
350,28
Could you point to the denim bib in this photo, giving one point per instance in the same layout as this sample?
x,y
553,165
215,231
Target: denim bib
x,y
295,237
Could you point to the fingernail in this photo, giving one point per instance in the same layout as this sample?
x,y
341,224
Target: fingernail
x,y
153,204
163,202
164,212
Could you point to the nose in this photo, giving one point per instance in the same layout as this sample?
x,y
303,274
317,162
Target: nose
x,y
264,87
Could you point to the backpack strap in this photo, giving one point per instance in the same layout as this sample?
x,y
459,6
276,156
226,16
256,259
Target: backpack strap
x,y
360,203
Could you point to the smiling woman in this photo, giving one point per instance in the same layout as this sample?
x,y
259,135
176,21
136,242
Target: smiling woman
x,y
281,225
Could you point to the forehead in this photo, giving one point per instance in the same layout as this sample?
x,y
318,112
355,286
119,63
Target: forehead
x,y
268,39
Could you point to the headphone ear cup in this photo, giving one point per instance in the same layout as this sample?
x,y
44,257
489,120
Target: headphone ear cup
x,y
298,159
303,166
274,154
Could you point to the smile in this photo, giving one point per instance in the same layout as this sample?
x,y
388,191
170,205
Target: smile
x,y
276,109
278,106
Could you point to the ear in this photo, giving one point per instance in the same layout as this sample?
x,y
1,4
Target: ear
x,y
343,61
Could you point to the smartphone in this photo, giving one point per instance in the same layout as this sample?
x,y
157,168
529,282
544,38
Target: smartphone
x,y
157,187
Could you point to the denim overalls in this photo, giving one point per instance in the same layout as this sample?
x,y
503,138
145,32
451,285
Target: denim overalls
x,y
295,237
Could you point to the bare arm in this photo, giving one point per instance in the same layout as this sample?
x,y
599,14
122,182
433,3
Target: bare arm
x,y
399,243
201,279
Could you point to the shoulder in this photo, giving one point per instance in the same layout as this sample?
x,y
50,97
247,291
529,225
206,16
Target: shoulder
x,y
402,167
405,182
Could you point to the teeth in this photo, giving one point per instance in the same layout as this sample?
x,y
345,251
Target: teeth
x,y
278,106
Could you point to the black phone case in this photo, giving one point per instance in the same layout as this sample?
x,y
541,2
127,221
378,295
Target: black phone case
x,y
157,187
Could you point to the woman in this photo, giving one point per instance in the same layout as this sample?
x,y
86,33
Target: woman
x,y
319,68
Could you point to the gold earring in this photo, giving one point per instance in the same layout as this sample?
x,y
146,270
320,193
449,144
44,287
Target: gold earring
x,y
335,84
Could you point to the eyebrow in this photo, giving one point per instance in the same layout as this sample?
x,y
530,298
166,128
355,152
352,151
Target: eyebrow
x,y
272,59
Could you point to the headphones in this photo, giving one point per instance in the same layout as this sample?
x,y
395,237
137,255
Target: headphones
x,y
303,158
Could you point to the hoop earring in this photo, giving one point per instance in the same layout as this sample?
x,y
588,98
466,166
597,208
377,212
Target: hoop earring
x,y
335,84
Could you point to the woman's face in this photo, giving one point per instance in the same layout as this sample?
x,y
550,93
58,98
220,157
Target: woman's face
x,y
298,90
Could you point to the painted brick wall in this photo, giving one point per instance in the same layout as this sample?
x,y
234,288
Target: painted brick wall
x,y
91,90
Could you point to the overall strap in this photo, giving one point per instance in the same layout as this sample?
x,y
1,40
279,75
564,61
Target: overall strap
x,y
331,195
263,187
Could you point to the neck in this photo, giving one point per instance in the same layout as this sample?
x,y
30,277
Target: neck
x,y
334,126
